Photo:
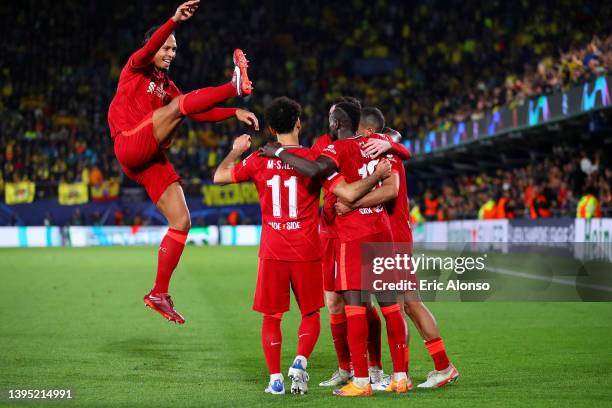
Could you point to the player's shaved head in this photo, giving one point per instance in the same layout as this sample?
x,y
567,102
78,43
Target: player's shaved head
x,y
282,114
372,117
149,34
345,115
350,99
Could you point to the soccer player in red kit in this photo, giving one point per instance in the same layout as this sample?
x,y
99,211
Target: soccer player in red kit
x,y
333,300
143,117
372,121
345,161
290,250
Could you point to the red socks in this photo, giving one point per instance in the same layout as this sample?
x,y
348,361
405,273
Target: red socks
x,y
357,327
337,323
204,99
271,339
308,333
396,333
374,332
170,251
437,351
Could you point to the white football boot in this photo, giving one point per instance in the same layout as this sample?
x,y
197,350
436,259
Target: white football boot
x,y
437,379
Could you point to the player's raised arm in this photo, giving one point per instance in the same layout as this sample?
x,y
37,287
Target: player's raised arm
x,y
220,114
375,147
223,175
351,192
386,192
319,168
144,56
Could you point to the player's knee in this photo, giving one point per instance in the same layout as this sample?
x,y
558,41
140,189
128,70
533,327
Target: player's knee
x,y
175,107
335,304
182,222
186,222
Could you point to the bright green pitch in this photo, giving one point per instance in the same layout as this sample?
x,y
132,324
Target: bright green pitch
x,y
74,318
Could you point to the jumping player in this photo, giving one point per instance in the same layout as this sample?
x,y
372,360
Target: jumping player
x,y
373,121
290,251
343,161
143,117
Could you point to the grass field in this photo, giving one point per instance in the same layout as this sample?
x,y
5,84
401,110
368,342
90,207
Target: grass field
x,y
74,318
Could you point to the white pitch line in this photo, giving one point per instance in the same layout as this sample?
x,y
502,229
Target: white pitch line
x,y
550,279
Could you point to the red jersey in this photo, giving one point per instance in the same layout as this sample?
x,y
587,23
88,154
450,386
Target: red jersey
x,y
141,88
328,213
289,204
353,165
398,209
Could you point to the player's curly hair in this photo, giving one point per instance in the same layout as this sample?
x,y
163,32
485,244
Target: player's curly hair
x,y
348,115
282,113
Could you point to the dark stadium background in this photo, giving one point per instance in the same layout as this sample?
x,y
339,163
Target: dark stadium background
x,y
426,64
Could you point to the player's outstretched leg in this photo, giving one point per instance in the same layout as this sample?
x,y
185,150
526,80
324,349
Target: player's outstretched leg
x,y
167,118
444,371
271,340
173,206
308,334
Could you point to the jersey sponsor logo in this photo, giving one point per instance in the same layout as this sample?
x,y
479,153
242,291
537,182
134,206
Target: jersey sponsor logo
x,y
156,90
371,210
330,149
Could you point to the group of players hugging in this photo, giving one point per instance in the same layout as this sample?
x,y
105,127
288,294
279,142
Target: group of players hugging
x,y
316,253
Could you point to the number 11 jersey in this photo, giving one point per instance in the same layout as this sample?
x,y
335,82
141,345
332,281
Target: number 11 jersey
x,y
289,204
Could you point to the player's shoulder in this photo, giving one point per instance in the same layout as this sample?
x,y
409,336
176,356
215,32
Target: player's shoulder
x,y
322,142
253,159
380,136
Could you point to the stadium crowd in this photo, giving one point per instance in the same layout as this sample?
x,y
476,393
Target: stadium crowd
x,y
424,67
552,186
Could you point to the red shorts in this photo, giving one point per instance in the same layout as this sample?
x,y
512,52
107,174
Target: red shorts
x,y
328,245
274,278
143,161
349,261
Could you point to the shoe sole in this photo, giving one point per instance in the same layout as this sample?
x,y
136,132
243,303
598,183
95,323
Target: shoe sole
x,y
151,305
241,62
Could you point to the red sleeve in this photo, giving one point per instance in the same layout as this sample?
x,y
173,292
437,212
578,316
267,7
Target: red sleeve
x,y
144,56
332,181
400,150
214,115
322,142
333,153
244,170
